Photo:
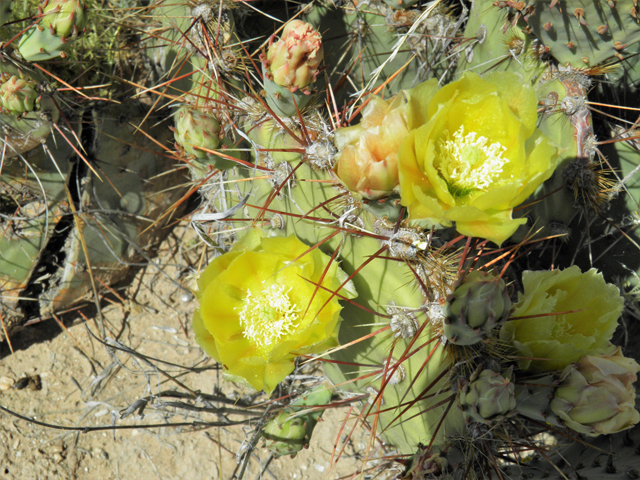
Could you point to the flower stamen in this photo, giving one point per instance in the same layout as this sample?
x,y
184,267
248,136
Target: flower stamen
x,y
269,316
469,163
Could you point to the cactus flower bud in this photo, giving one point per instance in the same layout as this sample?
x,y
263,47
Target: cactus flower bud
x,y
478,304
488,397
596,395
196,129
64,18
575,315
286,434
260,307
368,159
427,463
18,95
291,431
293,61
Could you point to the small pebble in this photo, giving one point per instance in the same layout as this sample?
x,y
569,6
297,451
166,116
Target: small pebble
x,y
164,329
180,342
99,453
21,383
6,383
186,297
57,448
35,383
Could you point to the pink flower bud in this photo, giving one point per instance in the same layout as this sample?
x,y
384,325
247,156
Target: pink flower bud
x,y
293,61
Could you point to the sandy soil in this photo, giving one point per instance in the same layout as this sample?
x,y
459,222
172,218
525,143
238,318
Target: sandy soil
x,y
62,375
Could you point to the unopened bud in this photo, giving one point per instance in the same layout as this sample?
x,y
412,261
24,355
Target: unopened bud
x,y
293,61
596,395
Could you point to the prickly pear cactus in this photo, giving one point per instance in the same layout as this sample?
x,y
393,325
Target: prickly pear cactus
x,y
415,195
409,199
83,188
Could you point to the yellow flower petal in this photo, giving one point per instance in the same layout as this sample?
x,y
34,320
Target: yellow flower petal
x,y
204,338
575,314
219,265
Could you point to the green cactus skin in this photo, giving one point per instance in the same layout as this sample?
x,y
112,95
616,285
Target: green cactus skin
x,y
112,232
269,134
26,237
401,3
37,45
588,33
5,13
28,132
183,57
291,430
62,22
363,37
621,259
176,60
495,48
283,101
112,235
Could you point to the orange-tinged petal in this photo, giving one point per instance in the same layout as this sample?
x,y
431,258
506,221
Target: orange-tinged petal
x,y
367,159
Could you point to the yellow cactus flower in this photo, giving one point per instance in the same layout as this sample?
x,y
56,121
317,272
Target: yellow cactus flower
x,y
258,309
476,155
571,314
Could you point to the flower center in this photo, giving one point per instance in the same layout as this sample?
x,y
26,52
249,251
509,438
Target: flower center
x,y
469,163
269,316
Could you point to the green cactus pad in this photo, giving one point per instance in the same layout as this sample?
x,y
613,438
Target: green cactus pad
x,y
37,45
588,33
